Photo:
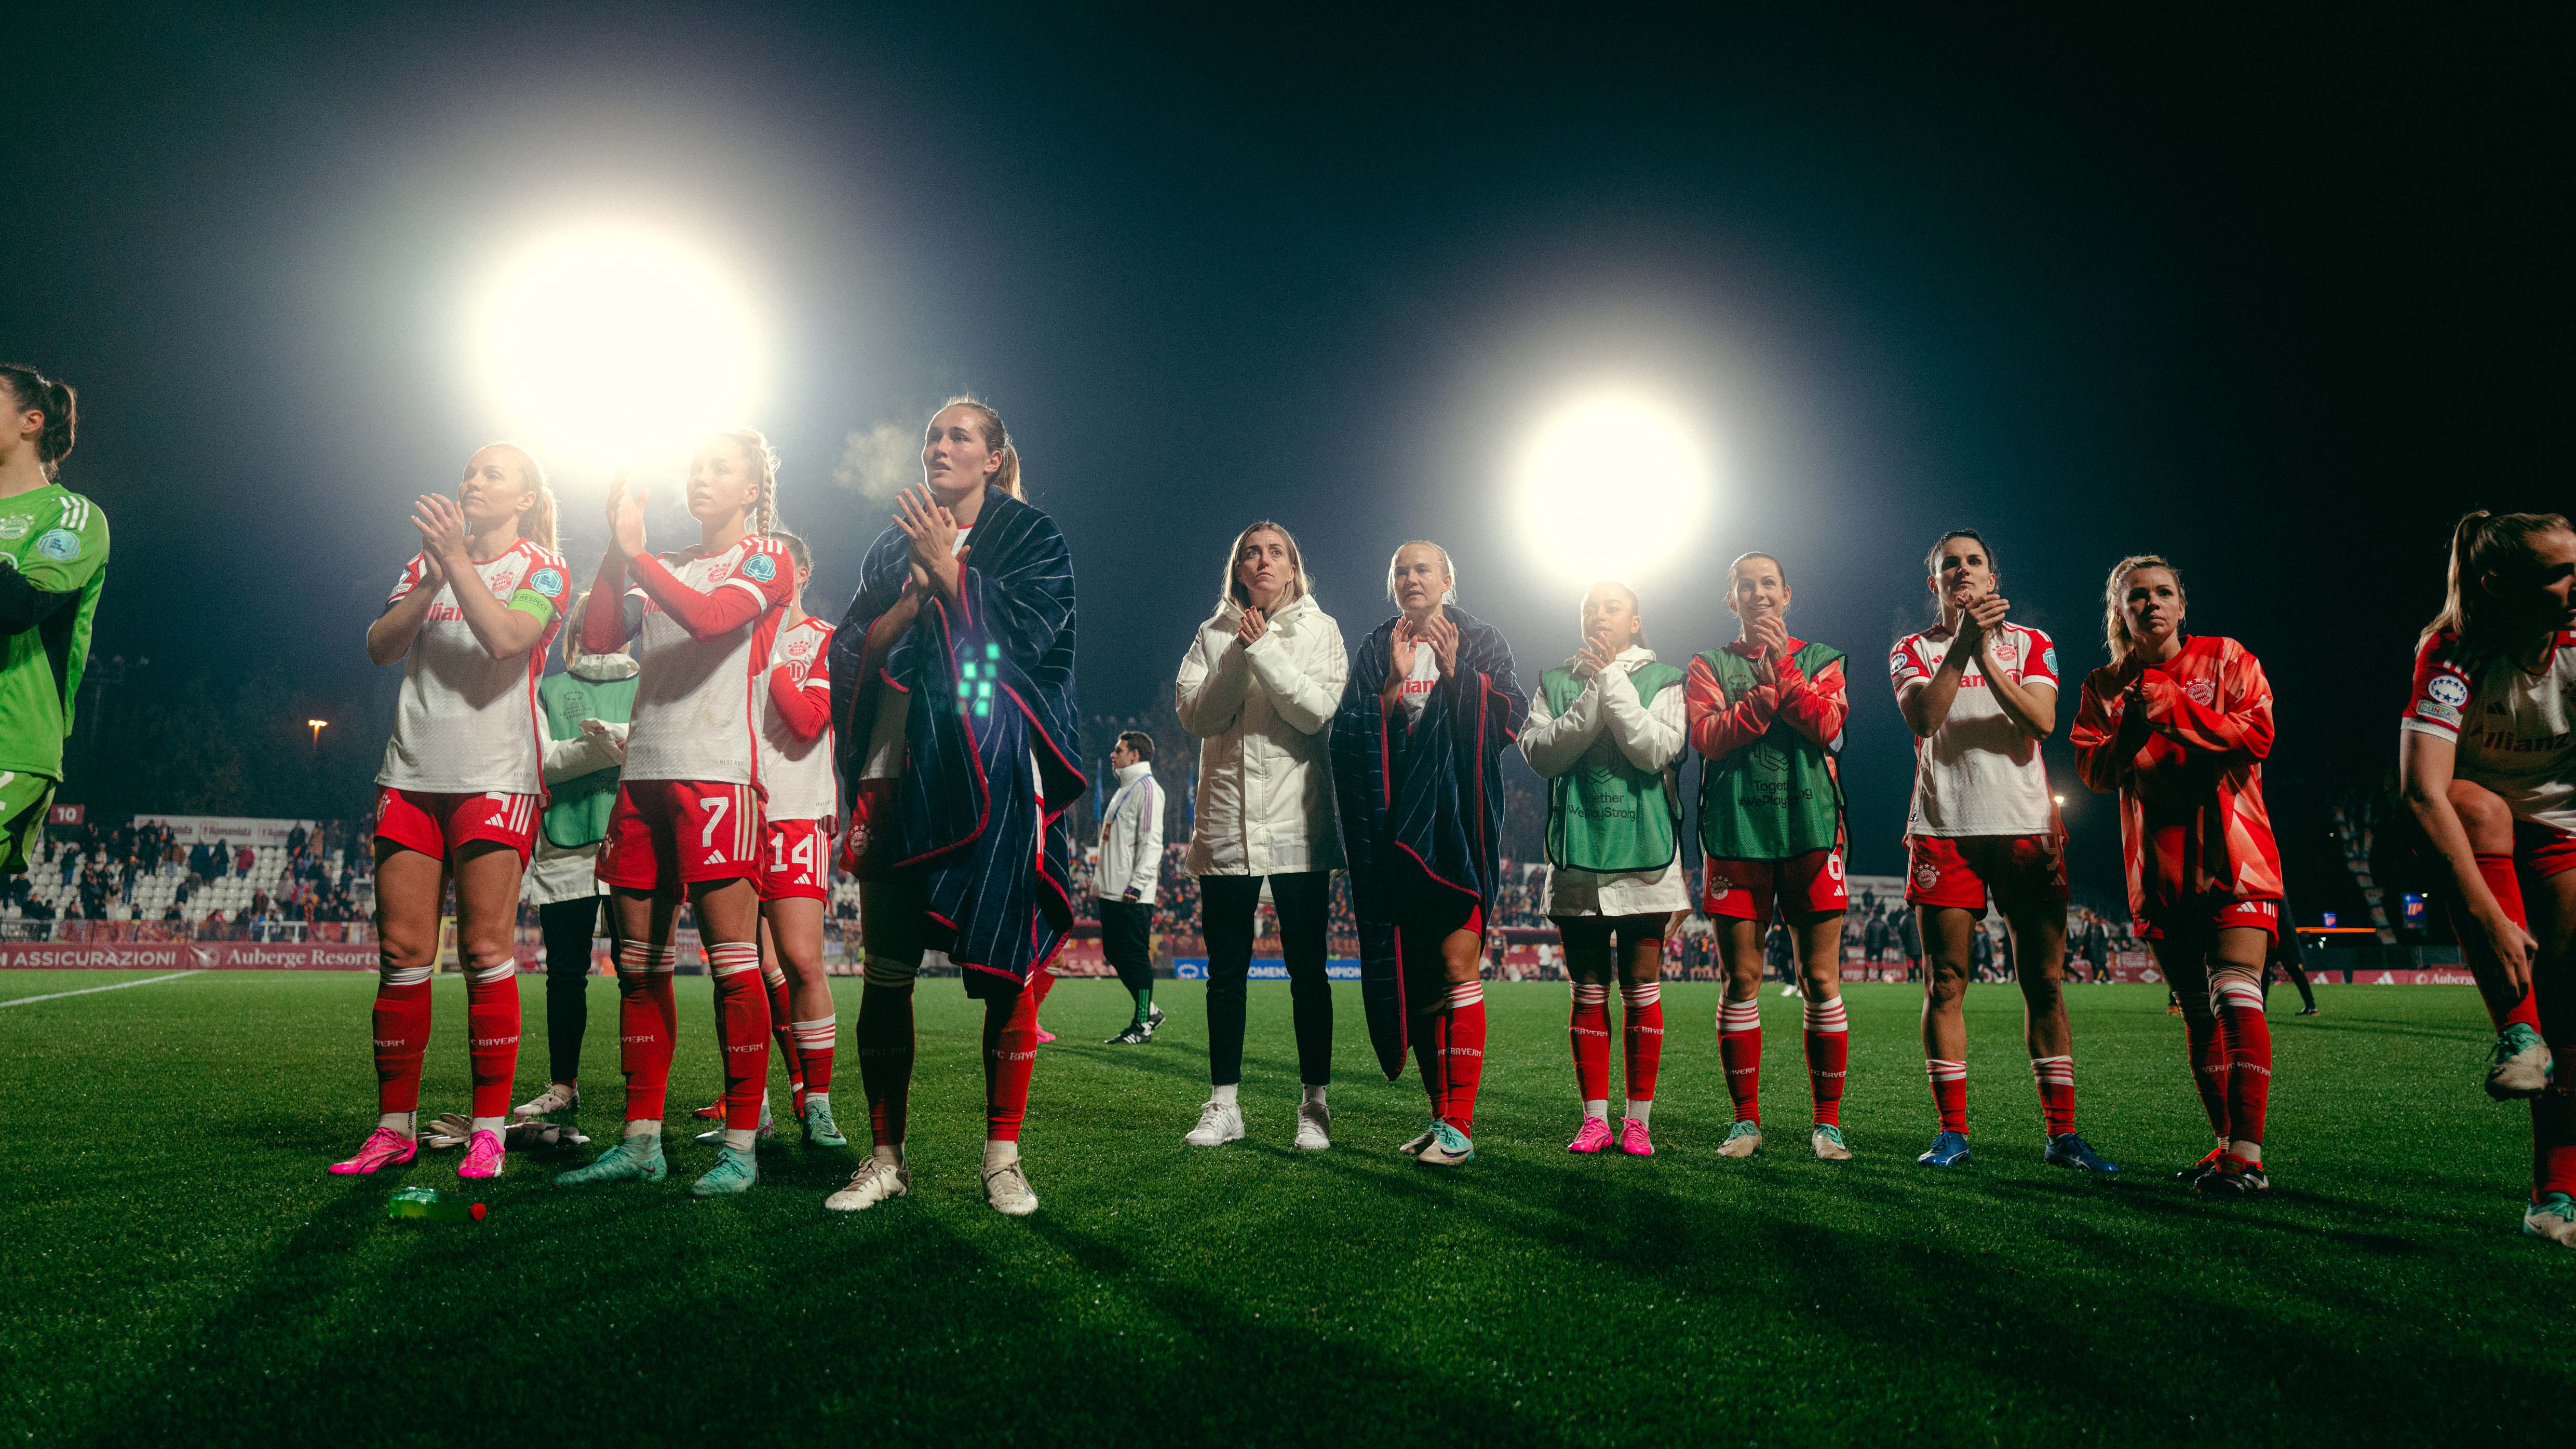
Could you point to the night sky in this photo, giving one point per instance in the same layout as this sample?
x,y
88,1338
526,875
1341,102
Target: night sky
x,y
2276,296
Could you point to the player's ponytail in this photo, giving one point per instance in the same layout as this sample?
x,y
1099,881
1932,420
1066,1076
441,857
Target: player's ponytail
x,y
2484,543
34,392
2115,620
537,524
763,461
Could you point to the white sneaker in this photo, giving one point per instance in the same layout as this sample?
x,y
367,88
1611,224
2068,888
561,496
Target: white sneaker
x,y
1314,1126
1219,1123
874,1182
555,1098
1007,1188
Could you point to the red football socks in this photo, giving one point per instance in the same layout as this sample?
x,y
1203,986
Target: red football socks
x,y
781,1030
1588,1029
491,1037
2056,1079
1949,1092
402,1035
2503,1007
1464,1048
2239,1004
1739,1050
1828,1057
742,1024
1010,1056
814,1043
1431,1054
2207,1046
883,1038
1641,1037
647,1024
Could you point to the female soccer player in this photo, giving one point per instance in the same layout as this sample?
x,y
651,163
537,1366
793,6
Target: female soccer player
x,y
587,708
2487,763
463,780
1604,731
953,695
54,545
1766,712
1429,708
2179,725
1980,693
1259,687
688,815
796,853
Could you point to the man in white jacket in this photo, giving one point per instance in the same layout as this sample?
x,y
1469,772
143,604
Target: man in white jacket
x,y
1131,866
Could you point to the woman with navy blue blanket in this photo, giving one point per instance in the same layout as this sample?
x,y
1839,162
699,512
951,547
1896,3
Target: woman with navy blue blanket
x,y
1417,744
952,684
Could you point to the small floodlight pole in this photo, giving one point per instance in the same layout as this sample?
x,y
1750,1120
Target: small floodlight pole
x,y
317,726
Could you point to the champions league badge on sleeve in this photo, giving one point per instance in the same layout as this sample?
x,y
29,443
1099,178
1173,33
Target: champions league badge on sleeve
x,y
61,545
547,582
760,566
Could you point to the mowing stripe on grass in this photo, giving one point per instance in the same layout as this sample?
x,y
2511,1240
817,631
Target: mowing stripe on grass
x,y
86,990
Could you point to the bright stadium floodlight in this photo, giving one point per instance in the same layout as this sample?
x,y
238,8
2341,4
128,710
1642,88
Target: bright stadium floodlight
x,y
1611,486
609,346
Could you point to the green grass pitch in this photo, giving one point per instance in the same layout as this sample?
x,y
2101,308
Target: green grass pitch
x,y
179,1268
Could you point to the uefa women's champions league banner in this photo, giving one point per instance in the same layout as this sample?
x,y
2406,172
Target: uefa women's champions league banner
x,y
1194,968
233,830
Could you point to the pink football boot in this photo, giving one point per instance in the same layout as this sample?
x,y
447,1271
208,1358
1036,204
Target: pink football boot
x,y
484,1156
1633,1139
384,1147
1594,1136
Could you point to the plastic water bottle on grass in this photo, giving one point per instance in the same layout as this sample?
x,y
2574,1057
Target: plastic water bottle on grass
x,y
430,1205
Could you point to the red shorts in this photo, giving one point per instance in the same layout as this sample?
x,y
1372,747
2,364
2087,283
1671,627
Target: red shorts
x,y
2541,851
436,825
1958,870
797,860
2212,916
669,833
1747,890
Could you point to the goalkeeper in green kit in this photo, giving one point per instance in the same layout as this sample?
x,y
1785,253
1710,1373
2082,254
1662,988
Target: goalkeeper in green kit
x,y
53,562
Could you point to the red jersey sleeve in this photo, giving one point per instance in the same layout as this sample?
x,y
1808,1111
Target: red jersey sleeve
x,y
2438,702
2037,663
1717,728
2100,758
802,688
414,574
603,615
1815,707
1906,664
760,581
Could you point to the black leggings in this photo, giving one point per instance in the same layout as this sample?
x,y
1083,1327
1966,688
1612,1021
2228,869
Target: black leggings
x,y
1304,905
568,927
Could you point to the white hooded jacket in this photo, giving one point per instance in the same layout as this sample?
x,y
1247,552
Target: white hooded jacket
x,y
1131,838
1264,719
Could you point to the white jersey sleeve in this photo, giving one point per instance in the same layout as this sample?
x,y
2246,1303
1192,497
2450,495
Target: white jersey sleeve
x,y
465,722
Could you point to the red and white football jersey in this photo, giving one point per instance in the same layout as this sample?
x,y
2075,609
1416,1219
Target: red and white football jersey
x,y
2516,729
798,770
465,721
2192,819
697,702
1979,773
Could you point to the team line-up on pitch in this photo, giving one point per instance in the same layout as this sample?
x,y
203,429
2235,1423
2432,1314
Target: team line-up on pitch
x,y
710,741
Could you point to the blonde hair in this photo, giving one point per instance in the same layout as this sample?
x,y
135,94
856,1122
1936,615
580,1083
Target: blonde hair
x,y
1299,585
2115,624
537,525
1446,567
764,461
2483,543
997,440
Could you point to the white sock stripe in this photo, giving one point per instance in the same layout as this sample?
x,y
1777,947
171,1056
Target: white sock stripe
x,y
1648,994
2240,993
1827,1016
1740,1016
402,975
1591,992
1941,1071
490,974
732,958
1470,994
774,975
